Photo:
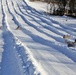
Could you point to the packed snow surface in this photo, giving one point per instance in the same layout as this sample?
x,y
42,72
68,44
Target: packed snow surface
x,y
31,41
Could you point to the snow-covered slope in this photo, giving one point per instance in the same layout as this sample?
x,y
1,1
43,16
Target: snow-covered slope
x,y
37,47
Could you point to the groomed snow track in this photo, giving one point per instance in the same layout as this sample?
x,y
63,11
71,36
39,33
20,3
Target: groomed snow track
x,y
37,48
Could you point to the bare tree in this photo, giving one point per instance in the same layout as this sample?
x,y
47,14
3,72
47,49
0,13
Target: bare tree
x,y
72,5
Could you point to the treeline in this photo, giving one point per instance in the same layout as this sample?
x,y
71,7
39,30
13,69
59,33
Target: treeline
x,y
61,7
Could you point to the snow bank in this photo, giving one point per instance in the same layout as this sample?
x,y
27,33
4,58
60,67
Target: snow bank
x,y
1,47
39,6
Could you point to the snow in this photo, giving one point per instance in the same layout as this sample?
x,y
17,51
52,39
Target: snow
x,y
38,47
